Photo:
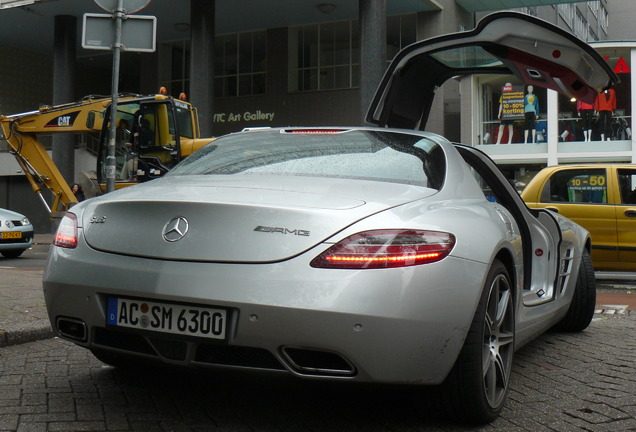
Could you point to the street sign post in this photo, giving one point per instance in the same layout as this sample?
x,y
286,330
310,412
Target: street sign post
x,y
116,32
130,6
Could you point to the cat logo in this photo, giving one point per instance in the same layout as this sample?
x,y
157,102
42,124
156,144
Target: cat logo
x,y
63,121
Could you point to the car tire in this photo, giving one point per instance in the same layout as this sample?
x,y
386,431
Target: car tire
x,y
583,303
477,386
14,253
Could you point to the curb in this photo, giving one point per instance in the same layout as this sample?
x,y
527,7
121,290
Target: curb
x,y
31,333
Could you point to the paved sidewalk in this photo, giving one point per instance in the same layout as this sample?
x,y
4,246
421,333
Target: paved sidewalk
x,y
23,316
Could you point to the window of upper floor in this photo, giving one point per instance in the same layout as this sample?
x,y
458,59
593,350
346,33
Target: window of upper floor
x,y
327,56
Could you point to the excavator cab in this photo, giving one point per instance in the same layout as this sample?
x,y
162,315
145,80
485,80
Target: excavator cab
x,y
146,142
153,133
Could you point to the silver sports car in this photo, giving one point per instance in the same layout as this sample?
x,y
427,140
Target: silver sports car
x,y
367,254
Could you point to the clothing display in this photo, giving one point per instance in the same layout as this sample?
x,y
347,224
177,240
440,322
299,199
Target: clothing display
x,y
605,105
531,109
606,101
586,112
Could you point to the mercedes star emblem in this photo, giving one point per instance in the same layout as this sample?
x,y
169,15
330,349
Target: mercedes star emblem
x,y
176,229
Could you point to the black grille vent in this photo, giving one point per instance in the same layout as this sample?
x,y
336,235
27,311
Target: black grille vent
x,y
123,341
237,356
173,350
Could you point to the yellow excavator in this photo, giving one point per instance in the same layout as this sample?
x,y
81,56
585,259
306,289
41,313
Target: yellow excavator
x,y
153,133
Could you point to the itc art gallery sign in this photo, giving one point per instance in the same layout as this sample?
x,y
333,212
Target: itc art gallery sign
x,y
246,116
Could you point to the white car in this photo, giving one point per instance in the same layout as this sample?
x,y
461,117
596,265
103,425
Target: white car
x,y
16,233
367,254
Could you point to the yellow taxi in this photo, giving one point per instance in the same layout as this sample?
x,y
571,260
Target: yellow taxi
x,y
601,198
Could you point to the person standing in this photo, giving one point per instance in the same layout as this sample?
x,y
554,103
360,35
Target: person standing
x,y
78,191
605,105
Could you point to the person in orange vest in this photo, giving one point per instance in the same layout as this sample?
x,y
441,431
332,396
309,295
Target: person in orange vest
x,y
605,105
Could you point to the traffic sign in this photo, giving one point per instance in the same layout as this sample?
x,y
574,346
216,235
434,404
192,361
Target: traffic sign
x,y
138,32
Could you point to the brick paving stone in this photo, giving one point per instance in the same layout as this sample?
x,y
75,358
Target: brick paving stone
x,y
32,427
78,426
9,421
560,382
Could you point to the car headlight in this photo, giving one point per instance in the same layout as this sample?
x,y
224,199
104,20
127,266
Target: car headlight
x,y
25,221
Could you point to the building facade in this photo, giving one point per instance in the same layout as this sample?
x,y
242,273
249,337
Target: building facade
x,y
299,63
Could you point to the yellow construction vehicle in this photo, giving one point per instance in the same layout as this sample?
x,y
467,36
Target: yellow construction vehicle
x,y
153,133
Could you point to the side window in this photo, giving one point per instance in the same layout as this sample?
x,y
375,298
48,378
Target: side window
x,y
485,187
627,184
577,186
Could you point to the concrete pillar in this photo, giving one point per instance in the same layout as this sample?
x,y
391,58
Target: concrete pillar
x,y
553,127
202,62
64,50
372,50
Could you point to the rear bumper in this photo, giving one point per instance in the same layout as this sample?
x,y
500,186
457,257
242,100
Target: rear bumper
x,y
392,326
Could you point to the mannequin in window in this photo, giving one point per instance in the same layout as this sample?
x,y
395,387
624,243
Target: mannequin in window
x,y
586,112
605,105
504,122
531,109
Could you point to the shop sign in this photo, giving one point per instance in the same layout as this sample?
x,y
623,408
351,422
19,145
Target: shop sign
x,y
512,107
247,116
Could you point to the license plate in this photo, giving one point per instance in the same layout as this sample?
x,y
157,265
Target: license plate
x,y
12,235
167,317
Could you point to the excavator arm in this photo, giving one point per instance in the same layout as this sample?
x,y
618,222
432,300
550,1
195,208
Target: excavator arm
x,y
22,131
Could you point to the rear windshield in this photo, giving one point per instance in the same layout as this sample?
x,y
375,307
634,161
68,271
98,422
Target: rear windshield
x,y
352,154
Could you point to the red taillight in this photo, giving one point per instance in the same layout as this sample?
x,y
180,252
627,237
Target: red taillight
x,y
386,249
66,235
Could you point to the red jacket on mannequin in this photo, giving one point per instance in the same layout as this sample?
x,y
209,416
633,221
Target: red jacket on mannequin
x,y
606,101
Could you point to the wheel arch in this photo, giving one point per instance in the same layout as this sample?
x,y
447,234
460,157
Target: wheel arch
x,y
505,256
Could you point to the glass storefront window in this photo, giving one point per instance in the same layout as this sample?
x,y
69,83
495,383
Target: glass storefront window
x,y
610,117
512,112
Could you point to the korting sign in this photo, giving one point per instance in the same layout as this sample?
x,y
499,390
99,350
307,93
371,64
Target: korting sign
x,y
512,105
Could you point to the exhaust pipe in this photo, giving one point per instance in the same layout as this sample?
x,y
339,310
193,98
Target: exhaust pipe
x,y
72,328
